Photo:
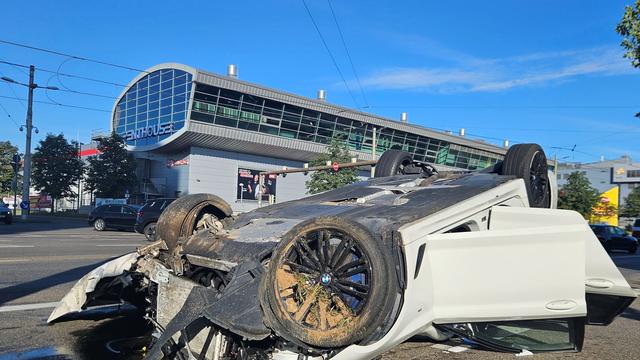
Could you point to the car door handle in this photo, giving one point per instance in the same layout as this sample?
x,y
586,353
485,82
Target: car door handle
x,y
598,283
561,305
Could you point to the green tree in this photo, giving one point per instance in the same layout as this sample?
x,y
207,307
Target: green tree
x,y
112,173
629,29
7,150
631,206
56,167
578,195
324,180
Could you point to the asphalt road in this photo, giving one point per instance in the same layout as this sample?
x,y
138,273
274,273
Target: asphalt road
x,y
41,260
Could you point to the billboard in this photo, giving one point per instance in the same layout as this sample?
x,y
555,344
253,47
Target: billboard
x,y
606,210
248,183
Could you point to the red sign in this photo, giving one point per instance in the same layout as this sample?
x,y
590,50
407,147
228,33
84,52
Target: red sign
x,y
173,163
89,152
335,166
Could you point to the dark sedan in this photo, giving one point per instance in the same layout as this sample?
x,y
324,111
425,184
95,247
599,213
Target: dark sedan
x,y
148,217
5,214
113,216
615,238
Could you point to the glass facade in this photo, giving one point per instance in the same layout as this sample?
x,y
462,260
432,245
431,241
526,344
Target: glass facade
x,y
253,113
154,107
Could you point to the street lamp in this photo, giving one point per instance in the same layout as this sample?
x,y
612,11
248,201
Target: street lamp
x,y
27,151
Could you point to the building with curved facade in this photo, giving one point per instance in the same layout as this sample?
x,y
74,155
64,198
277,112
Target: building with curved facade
x,y
195,131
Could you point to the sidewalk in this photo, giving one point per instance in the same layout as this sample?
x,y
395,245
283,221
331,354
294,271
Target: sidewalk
x,y
44,219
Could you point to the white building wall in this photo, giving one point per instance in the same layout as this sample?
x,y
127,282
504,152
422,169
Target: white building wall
x,y
216,172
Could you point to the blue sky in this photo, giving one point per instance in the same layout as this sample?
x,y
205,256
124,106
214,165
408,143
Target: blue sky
x,y
546,71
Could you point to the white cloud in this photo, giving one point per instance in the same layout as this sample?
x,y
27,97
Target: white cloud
x,y
471,74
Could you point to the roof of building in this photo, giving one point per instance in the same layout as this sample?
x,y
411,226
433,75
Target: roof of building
x,y
205,134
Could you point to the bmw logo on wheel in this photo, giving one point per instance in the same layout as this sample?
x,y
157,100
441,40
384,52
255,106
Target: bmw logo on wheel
x,y
325,279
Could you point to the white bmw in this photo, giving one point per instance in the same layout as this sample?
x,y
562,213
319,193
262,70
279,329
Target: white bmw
x,y
353,272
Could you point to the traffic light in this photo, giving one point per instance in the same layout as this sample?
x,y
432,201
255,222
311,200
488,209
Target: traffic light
x,y
15,162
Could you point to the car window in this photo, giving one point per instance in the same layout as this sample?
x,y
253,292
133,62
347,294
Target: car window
x,y
599,230
619,231
115,208
533,335
637,223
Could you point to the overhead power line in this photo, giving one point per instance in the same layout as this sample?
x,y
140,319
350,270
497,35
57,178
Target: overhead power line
x,y
15,96
70,55
346,49
505,106
333,59
87,93
64,74
58,104
9,115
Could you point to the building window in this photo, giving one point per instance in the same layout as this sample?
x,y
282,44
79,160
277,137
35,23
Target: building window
x,y
633,173
253,113
147,107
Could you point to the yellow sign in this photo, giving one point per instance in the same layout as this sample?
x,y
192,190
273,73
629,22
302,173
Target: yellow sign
x,y
606,211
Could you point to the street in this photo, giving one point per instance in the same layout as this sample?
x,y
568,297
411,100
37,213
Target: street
x,y
41,260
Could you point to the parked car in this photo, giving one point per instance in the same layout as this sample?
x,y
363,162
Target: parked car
x,y
114,216
350,273
5,214
615,238
148,217
635,229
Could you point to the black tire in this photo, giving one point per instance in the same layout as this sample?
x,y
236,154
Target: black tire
x,y
356,287
392,162
633,250
180,217
149,231
99,224
8,220
528,162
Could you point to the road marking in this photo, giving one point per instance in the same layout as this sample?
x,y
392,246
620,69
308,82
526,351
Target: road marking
x,y
117,245
16,246
23,307
57,258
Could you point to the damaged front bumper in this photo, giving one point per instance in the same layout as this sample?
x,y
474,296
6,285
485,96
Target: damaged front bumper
x,y
208,320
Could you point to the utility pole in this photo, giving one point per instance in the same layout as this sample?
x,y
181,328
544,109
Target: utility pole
x,y
27,151
374,144
15,163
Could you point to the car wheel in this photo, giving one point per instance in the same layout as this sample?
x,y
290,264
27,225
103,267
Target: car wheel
x,y
328,283
8,220
392,162
528,162
633,250
180,218
150,231
99,224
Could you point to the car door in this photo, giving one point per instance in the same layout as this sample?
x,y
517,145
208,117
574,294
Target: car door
x,y
521,284
128,216
620,238
607,292
113,215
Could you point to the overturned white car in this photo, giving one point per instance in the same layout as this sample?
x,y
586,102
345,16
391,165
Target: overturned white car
x,y
353,272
